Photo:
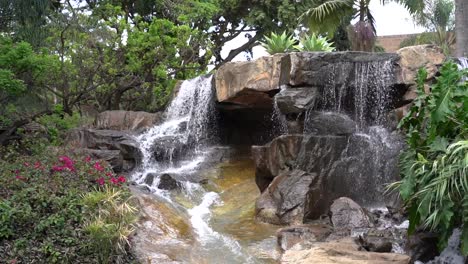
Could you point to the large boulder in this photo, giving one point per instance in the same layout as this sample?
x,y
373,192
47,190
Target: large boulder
x,y
347,214
412,59
126,120
251,83
344,251
299,189
117,147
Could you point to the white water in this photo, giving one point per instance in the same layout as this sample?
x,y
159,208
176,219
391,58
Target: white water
x,y
185,135
463,64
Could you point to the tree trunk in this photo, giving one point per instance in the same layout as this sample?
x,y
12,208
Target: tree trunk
x,y
461,27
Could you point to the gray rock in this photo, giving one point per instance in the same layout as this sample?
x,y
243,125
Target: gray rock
x,y
117,147
275,156
328,123
166,182
347,214
296,100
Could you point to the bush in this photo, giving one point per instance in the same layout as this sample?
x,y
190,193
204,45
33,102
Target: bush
x,y
43,214
434,166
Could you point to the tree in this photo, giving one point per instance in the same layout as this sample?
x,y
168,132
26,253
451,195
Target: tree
x,y
23,75
325,16
461,27
438,18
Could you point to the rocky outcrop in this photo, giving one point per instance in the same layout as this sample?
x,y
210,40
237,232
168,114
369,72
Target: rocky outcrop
x,y
273,157
251,83
412,59
296,100
344,251
301,190
126,120
116,147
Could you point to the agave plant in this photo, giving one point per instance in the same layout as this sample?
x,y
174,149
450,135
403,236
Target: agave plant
x,y
315,43
278,43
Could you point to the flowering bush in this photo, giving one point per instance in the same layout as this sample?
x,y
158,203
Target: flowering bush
x,y
42,210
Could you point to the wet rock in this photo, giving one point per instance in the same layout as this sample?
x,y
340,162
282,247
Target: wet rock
x,y
149,178
376,240
118,147
422,246
273,157
286,197
301,236
347,214
296,100
126,120
328,123
166,182
344,251
250,83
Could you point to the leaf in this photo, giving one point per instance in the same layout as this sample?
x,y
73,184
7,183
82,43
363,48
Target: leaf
x,y
407,187
439,144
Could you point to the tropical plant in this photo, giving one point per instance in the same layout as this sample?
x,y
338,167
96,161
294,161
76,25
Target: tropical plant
x,y
314,43
438,18
325,17
278,43
434,166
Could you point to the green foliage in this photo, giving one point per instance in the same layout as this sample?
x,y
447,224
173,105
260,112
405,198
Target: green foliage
x,y
434,167
315,43
112,216
278,43
58,123
42,212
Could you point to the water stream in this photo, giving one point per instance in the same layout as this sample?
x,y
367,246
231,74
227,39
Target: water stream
x,y
216,195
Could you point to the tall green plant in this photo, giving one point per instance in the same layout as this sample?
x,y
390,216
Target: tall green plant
x,y
434,167
278,43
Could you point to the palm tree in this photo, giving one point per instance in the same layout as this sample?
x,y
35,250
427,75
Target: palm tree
x,y
327,15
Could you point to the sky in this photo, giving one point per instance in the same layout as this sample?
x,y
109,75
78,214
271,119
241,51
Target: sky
x,y
391,19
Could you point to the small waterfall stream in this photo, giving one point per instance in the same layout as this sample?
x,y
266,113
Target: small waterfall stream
x,y
181,147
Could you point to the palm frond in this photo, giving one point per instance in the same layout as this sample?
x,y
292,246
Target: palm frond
x,y
326,17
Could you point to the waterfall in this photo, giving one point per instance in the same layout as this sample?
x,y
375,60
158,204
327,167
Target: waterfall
x,y
184,132
463,64
361,90
178,146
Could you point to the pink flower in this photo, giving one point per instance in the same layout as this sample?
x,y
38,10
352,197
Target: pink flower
x,y
114,180
101,181
98,166
26,164
37,165
108,174
121,179
68,163
87,159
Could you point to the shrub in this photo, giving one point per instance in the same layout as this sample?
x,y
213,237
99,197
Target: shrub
x,y
315,43
278,43
42,213
434,166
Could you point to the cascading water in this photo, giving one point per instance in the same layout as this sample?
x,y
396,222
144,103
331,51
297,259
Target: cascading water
x,y
463,64
178,147
359,94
